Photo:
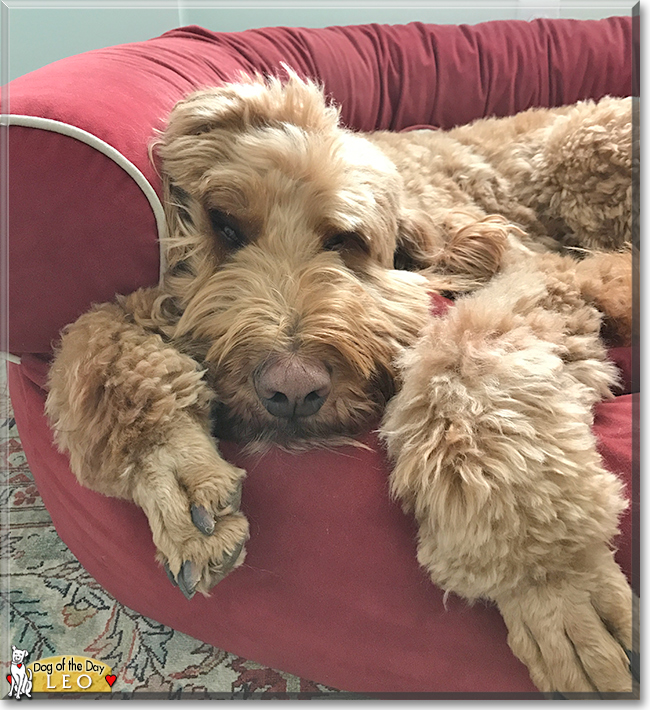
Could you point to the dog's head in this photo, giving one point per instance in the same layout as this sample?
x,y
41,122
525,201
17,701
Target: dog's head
x,y
17,655
283,229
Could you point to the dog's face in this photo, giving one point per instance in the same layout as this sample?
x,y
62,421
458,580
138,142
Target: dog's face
x,y
283,230
17,656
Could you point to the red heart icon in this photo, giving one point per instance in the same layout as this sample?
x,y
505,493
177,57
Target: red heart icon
x,y
110,679
20,665
9,678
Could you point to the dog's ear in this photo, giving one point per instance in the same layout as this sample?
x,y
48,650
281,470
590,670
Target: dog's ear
x,y
228,106
186,255
455,244
416,240
13,648
253,101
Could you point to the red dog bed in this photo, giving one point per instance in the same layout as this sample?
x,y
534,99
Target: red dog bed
x,y
331,589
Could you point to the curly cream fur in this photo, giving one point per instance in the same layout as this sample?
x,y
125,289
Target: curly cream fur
x,y
494,455
487,411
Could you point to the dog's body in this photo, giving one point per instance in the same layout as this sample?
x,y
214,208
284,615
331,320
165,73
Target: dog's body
x,y
281,306
21,677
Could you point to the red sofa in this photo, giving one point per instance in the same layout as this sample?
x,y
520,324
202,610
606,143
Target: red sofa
x,y
331,589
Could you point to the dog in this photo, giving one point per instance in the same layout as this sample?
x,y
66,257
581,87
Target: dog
x,y
21,677
296,311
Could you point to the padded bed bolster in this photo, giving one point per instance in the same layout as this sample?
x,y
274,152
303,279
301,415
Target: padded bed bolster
x,y
94,227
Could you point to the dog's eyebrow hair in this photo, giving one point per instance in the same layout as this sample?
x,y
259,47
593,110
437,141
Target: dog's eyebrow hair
x,y
178,192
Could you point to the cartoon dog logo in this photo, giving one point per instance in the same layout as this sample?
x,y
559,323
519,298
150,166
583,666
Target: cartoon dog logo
x,y
21,677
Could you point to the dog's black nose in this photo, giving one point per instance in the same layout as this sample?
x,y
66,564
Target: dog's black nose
x,y
293,386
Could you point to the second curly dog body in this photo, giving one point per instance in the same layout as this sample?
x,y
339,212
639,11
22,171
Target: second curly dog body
x,y
283,316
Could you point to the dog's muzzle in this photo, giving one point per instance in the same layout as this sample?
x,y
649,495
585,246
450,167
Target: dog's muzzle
x,y
290,386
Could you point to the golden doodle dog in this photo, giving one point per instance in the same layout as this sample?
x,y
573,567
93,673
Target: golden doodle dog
x,y
295,310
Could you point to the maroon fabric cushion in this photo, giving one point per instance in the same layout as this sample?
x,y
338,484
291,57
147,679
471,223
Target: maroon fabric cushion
x,y
331,589
86,217
81,230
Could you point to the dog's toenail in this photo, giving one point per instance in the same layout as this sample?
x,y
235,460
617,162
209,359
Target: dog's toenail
x,y
232,504
202,519
235,500
635,664
231,557
186,579
170,576
187,594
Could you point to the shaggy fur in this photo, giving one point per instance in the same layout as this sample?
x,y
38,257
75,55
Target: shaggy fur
x,y
302,255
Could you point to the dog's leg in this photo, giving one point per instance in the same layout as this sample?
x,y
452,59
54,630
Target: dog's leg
x,y
133,414
493,450
582,176
572,166
28,683
23,684
603,280
606,280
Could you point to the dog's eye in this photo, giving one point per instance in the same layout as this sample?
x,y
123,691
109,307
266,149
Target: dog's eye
x,y
345,241
227,228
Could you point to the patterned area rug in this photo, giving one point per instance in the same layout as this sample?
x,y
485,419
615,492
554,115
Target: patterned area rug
x,y
50,605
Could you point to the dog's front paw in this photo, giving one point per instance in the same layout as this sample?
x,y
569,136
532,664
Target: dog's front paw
x,y
201,549
199,563
191,497
574,637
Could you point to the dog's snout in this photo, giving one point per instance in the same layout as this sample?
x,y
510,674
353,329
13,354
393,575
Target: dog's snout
x,y
293,386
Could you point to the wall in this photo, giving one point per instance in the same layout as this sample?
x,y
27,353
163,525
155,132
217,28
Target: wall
x,y
35,33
